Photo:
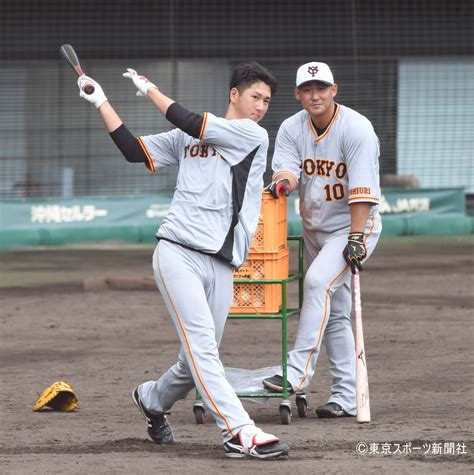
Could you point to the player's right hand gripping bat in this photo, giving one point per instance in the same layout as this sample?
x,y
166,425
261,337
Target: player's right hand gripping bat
x,y
362,380
70,56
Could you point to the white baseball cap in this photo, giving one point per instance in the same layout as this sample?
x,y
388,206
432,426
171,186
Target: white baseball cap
x,y
314,72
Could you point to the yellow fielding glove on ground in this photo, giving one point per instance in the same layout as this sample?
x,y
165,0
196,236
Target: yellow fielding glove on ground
x,y
59,396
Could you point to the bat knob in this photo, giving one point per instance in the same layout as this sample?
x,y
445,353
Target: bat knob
x,y
89,89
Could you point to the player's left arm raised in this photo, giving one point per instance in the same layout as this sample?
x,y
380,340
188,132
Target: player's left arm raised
x,y
189,122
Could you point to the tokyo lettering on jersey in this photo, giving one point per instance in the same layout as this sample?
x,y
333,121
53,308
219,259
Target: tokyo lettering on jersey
x,y
216,204
334,169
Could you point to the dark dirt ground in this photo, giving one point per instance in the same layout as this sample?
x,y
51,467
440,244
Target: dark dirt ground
x,y
417,298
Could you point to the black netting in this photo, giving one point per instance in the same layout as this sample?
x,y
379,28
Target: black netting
x,y
407,65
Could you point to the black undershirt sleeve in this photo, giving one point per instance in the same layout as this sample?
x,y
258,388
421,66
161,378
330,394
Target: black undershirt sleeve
x,y
185,120
128,144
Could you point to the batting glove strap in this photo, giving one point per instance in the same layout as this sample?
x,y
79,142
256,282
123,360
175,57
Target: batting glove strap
x,y
279,187
141,82
355,251
97,97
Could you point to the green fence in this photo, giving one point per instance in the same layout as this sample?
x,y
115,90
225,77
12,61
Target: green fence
x,y
137,218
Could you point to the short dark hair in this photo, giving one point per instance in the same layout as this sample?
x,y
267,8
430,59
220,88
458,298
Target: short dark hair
x,y
246,74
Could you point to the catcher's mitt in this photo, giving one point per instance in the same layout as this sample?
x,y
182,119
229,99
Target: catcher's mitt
x,y
59,396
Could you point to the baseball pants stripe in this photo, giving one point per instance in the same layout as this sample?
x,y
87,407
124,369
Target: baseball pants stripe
x,y
326,315
197,291
321,329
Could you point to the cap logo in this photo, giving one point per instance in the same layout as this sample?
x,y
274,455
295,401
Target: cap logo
x,y
313,70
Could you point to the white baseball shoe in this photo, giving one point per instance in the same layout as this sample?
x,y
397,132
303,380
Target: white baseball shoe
x,y
253,442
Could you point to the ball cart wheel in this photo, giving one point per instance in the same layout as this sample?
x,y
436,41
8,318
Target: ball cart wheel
x,y
285,414
302,405
199,414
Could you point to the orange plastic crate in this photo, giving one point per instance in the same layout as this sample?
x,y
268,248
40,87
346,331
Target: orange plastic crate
x,y
260,298
271,233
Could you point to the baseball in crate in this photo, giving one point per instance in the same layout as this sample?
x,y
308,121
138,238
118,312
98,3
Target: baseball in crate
x,y
268,259
260,298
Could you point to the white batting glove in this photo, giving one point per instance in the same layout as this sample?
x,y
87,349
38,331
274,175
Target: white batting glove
x,y
97,97
141,82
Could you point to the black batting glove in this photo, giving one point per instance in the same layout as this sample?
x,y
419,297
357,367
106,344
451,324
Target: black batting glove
x,y
355,252
279,187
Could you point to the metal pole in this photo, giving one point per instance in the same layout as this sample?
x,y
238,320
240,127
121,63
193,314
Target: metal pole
x,y
283,338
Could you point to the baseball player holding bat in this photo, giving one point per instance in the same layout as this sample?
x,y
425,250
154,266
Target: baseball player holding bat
x,y
207,232
330,152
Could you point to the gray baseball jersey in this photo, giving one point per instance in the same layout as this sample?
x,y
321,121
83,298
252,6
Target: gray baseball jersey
x,y
216,204
334,170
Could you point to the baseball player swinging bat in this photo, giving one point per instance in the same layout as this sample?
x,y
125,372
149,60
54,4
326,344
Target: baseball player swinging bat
x,y
70,56
362,380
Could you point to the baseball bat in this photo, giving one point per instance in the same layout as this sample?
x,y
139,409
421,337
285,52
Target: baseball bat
x,y
70,56
362,379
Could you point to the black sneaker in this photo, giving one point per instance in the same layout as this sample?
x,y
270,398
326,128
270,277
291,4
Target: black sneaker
x,y
275,383
158,427
261,446
331,410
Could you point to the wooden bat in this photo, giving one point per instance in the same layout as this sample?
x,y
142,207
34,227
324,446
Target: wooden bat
x,y
70,56
362,379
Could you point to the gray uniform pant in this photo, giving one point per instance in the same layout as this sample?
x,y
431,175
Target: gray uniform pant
x,y
326,312
197,291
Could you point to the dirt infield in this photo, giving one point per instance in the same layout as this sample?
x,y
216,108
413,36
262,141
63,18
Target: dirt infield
x,y
417,297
